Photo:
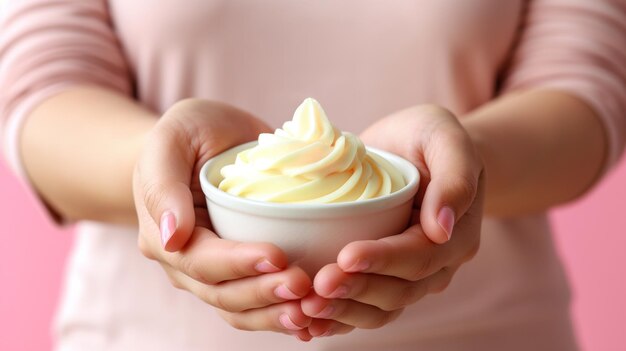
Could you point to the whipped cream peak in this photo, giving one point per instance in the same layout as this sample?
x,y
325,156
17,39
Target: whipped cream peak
x,y
310,123
309,160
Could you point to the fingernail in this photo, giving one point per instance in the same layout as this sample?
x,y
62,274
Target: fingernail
x,y
301,338
266,266
340,292
288,323
326,312
326,333
359,266
446,220
283,292
168,226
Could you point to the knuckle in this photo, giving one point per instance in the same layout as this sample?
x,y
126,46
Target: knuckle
x,y
262,297
390,305
362,290
154,194
421,268
238,324
407,296
222,302
175,282
235,266
342,310
472,251
213,299
386,261
190,267
187,266
234,320
144,248
210,298
394,315
272,252
237,270
380,320
443,283
466,186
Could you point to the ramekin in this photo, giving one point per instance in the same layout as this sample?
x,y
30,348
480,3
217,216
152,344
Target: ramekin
x,y
310,234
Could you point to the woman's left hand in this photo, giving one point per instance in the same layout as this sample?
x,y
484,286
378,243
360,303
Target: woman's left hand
x,y
373,280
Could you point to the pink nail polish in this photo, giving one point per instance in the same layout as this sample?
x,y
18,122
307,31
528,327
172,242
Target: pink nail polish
x,y
359,266
340,292
283,292
266,266
167,227
445,218
326,312
286,322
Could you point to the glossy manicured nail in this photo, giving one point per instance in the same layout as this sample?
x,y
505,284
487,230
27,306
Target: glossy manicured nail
x,y
340,292
167,227
283,292
266,266
359,266
445,218
286,322
326,312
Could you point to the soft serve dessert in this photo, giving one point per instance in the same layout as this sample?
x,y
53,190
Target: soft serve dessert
x,y
308,160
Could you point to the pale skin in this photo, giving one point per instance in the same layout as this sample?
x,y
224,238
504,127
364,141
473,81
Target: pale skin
x,y
94,154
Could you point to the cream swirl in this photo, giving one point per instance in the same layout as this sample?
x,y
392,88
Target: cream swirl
x,y
309,160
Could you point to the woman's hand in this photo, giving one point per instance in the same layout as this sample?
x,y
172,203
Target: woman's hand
x,y
374,280
248,282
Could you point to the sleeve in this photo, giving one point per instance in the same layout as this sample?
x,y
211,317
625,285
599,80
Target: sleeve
x,y
46,47
577,46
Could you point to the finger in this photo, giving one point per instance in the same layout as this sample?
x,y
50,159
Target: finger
x,y
455,168
384,134
328,327
162,182
211,260
348,312
409,255
384,292
302,334
247,293
284,317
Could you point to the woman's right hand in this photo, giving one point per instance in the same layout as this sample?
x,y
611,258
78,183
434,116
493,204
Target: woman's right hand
x,y
249,283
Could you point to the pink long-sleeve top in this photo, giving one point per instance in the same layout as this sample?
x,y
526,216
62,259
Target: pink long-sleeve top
x,y
363,59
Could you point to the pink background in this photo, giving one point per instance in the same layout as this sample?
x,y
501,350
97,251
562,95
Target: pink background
x,y
590,234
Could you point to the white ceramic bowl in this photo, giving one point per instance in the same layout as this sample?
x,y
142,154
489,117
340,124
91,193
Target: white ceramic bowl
x,y
310,234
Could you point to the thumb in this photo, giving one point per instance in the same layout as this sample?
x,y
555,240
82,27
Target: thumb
x,y
163,184
455,172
